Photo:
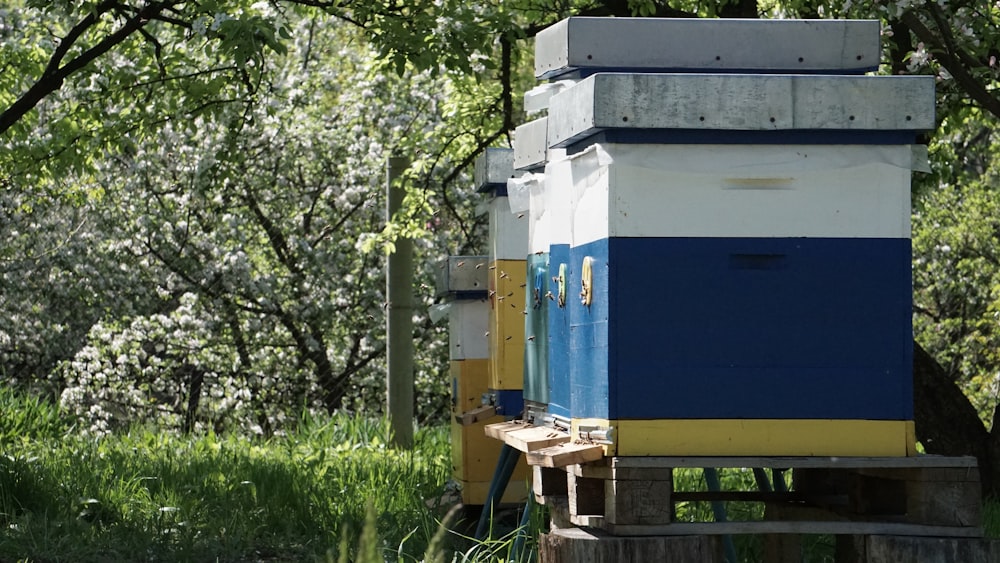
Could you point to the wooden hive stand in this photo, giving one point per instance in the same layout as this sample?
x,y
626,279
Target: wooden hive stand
x,y
876,506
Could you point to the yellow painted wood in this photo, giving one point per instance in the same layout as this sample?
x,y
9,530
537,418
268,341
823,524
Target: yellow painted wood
x,y
506,339
739,437
764,437
470,380
474,455
911,438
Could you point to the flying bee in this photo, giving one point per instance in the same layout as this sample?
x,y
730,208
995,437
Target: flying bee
x,y
503,274
531,338
460,264
549,295
520,215
508,338
479,265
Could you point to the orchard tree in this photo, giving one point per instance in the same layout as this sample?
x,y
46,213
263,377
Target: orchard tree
x,y
254,228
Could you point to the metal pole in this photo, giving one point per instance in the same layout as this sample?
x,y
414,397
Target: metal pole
x,y
399,316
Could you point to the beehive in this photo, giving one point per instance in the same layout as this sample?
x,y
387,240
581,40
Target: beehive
x,y
462,280
739,262
508,242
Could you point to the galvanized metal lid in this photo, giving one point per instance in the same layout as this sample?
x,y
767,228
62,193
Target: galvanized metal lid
x,y
493,168
712,104
462,277
584,45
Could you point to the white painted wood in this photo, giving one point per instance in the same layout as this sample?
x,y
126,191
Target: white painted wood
x,y
704,45
835,191
740,102
468,321
558,197
540,225
531,144
508,234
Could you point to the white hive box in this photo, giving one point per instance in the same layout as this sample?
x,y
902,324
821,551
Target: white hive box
x,y
844,191
582,45
468,323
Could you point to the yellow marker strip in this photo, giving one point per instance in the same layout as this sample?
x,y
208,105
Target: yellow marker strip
x,y
752,437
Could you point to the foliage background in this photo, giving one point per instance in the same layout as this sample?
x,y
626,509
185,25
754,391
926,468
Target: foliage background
x,y
192,193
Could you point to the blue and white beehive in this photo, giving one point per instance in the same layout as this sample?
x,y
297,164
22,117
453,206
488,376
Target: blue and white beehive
x,y
739,253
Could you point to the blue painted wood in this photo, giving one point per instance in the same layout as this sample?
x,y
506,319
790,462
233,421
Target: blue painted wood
x,y
739,137
744,328
558,335
509,402
580,74
536,342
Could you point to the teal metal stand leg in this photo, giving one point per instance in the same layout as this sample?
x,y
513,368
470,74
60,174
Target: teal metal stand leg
x,y
763,481
779,480
719,510
501,476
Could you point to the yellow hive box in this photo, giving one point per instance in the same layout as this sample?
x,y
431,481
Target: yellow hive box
x,y
506,339
470,380
474,460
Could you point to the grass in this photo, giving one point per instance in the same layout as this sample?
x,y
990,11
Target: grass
x,y
330,491
151,496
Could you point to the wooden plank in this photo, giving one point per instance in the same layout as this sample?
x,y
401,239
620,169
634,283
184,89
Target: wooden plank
x,y
565,454
791,527
746,496
475,415
598,470
533,438
548,481
498,430
586,496
785,462
638,502
574,544
890,549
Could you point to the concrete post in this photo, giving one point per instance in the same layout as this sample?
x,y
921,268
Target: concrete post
x,y
399,316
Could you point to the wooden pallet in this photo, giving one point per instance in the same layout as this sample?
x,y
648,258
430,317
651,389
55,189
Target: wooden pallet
x,y
905,496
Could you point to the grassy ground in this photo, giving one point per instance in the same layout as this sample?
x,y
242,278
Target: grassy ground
x,y
330,491
150,496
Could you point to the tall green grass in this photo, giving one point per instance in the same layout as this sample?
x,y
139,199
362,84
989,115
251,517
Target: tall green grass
x,y
331,490
150,496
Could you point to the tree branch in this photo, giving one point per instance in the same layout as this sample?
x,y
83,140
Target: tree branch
x,y
952,63
54,75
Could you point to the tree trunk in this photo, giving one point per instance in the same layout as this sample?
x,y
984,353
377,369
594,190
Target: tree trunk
x,y
948,424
